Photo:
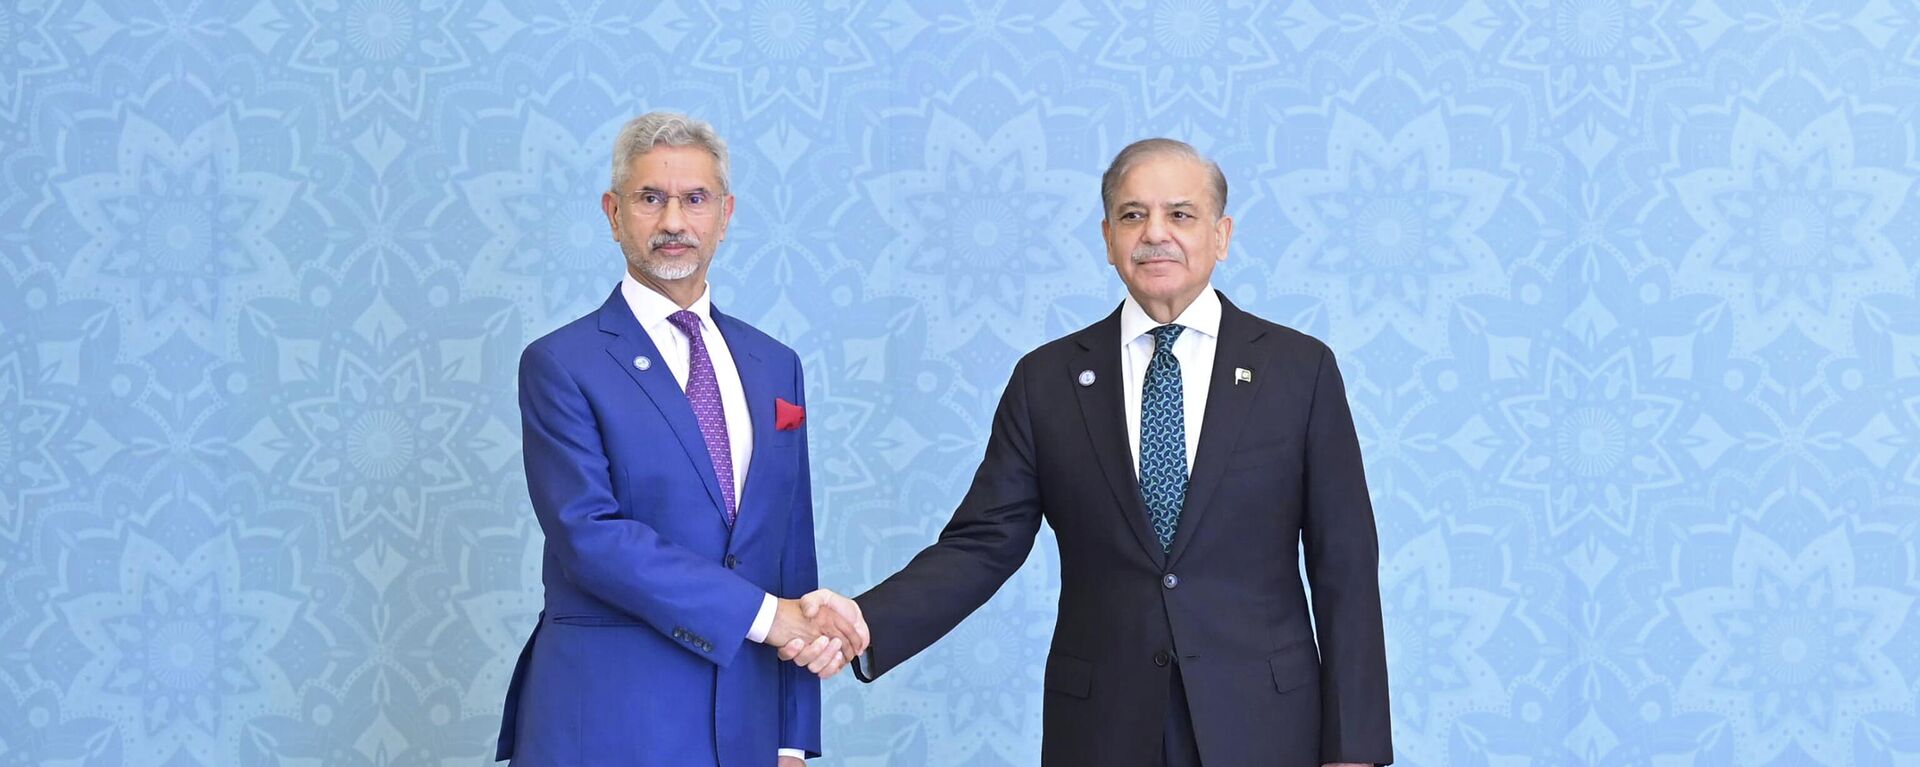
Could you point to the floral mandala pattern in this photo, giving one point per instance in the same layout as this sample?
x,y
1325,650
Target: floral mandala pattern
x,y
1623,292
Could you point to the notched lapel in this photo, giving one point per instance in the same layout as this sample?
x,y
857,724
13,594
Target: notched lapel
x,y
1226,417
631,342
760,385
1106,420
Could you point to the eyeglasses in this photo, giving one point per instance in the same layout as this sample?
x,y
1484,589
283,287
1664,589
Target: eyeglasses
x,y
698,203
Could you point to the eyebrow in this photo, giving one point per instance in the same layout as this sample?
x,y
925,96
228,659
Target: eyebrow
x,y
1138,204
663,191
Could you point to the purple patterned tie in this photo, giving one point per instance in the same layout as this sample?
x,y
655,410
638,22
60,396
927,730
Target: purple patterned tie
x,y
703,393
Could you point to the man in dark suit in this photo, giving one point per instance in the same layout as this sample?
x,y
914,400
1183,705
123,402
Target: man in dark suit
x,y
1182,450
667,463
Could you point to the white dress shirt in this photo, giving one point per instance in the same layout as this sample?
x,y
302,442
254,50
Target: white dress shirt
x,y
1194,350
676,350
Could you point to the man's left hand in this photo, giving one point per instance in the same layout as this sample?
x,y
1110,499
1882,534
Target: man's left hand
x,y
792,761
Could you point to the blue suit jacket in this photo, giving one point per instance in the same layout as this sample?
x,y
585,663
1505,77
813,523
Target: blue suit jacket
x,y
641,656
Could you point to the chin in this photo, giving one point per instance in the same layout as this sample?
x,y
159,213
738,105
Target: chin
x,y
1160,288
671,272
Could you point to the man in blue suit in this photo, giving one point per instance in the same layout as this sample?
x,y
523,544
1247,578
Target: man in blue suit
x,y
667,463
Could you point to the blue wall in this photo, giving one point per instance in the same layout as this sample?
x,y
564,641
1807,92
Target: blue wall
x,y
1624,291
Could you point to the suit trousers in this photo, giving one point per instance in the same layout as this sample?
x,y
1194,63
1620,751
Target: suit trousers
x,y
1180,748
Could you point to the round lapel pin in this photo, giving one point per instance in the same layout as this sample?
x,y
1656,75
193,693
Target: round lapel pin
x,y
1086,378
642,362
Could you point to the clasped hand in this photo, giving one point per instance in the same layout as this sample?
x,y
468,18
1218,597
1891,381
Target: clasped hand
x,y
821,632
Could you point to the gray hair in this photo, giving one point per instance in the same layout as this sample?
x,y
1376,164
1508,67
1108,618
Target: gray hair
x,y
1144,149
641,134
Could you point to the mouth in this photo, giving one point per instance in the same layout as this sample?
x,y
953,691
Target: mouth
x,y
673,250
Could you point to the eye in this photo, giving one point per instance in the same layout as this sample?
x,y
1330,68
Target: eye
x,y
652,198
696,198
1181,214
1132,215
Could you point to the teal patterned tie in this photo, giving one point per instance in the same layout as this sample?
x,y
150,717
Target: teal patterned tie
x,y
1163,437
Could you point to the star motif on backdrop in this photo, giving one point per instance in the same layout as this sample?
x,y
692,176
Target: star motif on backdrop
x,y
1793,229
1591,50
178,226
1389,227
784,51
1591,441
380,51
381,442
986,693
1796,647
1187,51
179,654
390,415
985,229
550,248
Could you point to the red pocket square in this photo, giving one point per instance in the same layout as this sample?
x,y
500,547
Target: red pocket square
x,y
787,416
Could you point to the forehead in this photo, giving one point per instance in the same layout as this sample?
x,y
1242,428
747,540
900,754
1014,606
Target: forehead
x,y
1164,177
673,166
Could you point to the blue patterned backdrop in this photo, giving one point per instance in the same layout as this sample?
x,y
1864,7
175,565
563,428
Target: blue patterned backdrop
x,y
1625,292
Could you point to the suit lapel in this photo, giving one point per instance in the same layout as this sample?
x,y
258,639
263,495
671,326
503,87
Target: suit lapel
x,y
632,343
1226,416
761,385
1106,419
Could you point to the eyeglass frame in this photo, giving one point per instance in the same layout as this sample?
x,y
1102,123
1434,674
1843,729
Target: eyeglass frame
x,y
695,210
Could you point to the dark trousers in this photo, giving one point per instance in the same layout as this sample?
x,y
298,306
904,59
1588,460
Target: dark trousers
x,y
1180,749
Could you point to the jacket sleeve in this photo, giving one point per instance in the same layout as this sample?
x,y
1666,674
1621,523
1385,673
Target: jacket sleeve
x,y
800,573
704,607
987,539
1343,563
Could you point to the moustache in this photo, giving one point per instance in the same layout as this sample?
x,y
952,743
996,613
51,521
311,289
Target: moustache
x,y
1150,253
662,240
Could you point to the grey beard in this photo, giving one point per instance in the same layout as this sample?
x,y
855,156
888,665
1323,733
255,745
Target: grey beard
x,y
660,270
669,271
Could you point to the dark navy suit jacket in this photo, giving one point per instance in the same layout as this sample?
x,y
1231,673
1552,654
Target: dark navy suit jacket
x,y
641,656
1270,680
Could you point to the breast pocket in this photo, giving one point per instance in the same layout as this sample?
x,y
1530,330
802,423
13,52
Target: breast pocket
x,y
1266,454
776,469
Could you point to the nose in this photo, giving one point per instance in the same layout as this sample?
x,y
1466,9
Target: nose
x,y
672,219
1157,231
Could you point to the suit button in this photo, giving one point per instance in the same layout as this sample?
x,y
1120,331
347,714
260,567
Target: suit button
x,y
1170,581
1161,659
732,561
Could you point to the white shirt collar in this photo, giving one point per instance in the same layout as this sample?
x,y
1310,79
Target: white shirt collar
x,y
652,308
1202,315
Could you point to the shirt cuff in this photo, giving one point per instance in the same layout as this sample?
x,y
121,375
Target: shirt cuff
x,y
795,753
763,622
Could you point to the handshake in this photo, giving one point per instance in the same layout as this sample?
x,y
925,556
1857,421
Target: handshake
x,y
821,632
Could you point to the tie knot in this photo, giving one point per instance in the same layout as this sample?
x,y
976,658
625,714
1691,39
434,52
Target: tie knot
x,y
687,322
1164,336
